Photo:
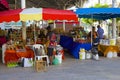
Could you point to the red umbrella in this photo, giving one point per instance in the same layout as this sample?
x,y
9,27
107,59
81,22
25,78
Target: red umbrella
x,y
10,15
47,14
55,14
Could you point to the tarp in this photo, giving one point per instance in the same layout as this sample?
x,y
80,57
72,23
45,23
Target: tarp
x,y
98,13
37,14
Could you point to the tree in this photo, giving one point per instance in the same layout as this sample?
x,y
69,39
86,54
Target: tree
x,y
58,4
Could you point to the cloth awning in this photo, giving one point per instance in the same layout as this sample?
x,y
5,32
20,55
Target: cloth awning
x,y
98,13
37,14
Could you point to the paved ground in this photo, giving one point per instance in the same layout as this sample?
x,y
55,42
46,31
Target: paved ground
x,y
70,69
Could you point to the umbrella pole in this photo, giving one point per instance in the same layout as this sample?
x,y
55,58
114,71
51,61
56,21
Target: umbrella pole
x,y
63,25
24,31
114,28
54,24
91,32
34,32
23,5
79,22
118,30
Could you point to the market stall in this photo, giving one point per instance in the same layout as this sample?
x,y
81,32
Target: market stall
x,y
32,14
101,14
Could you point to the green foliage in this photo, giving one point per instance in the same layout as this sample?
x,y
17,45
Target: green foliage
x,y
58,4
117,19
101,6
87,21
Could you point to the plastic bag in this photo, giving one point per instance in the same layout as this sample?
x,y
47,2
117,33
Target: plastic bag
x,y
27,62
55,61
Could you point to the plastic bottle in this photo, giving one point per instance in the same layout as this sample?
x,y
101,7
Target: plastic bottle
x,y
114,54
88,55
82,54
109,54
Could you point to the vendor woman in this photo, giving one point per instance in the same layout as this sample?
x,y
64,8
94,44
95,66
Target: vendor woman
x,y
94,35
51,37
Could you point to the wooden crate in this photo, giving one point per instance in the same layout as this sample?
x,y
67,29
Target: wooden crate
x,y
40,65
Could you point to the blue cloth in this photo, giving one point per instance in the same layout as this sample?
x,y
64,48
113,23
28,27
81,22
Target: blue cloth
x,y
66,42
74,47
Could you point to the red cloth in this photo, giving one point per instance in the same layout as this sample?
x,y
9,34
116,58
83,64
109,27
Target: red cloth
x,y
2,40
28,54
12,55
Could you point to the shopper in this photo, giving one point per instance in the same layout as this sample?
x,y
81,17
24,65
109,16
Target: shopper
x,y
100,32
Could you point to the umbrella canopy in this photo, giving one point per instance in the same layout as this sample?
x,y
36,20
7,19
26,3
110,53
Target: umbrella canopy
x,y
37,14
55,14
98,13
10,15
31,14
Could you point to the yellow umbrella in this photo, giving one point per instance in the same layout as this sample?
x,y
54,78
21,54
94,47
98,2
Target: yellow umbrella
x,y
31,14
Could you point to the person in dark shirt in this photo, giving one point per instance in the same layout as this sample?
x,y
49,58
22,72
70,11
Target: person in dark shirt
x,y
93,34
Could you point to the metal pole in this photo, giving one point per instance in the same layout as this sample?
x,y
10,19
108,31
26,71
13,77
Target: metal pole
x,y
80,22
98,1
113,22
34,32
15,4
63,25
91,31
54,24
23,5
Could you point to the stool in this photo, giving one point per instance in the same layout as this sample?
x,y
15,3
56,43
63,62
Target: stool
x,y
40,65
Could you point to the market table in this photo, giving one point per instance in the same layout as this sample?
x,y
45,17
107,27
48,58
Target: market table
x,y
13,55
106,48
73,47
